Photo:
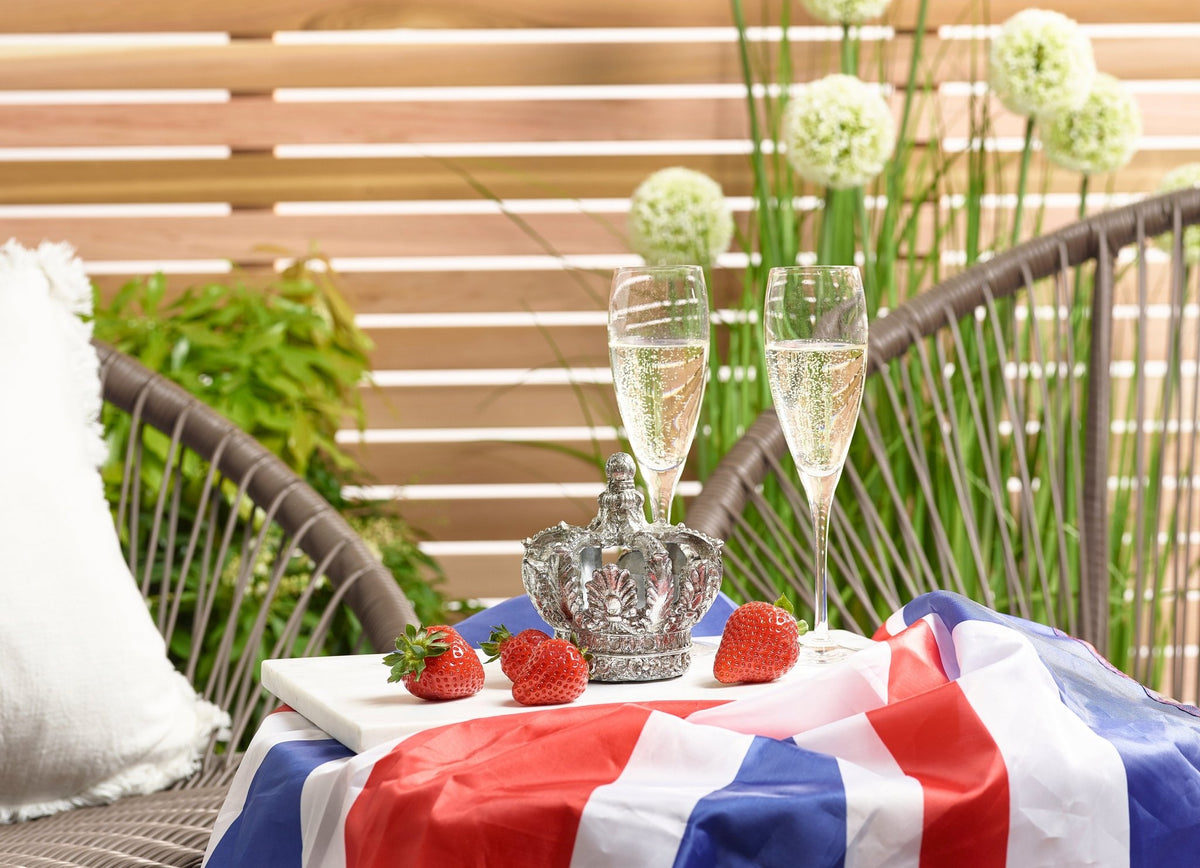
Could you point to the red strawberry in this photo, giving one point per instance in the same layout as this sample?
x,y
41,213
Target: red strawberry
x,y
556,673
759,643
435,663
514,651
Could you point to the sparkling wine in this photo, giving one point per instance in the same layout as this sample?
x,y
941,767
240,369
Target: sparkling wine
x,y
659,385
817,387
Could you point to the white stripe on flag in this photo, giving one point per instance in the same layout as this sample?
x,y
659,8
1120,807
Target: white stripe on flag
x,y
884,807
854,686
322,826
702,760
885,810
895,622
337,783
948,654
275,729
1066,783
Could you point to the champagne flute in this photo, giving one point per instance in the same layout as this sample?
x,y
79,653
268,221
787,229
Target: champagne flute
x,y
658,347
815,327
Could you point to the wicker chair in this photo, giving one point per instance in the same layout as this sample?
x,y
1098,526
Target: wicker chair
x,y
245,536
942,490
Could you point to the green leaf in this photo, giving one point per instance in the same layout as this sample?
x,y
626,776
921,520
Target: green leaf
x,y
179,353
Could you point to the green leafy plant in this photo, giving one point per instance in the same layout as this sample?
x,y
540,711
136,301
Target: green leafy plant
x,y
284,361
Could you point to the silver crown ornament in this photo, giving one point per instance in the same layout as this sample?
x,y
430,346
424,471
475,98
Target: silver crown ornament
x,y
630,591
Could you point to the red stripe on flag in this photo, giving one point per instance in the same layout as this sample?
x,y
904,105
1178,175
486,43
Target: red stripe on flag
x,y
497,791
916,665
937,738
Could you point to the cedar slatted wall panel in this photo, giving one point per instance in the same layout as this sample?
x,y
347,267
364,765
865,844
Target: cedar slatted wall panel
x,y
200,133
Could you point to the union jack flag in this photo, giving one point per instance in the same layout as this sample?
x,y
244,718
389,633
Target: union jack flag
x,y
960,738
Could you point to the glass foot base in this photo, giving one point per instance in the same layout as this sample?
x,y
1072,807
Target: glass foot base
x,y
823,649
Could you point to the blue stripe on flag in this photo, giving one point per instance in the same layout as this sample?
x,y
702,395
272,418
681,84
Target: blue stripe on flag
x,y
267,833
786,806
1158,740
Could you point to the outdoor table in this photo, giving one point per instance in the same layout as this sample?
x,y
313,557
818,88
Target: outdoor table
x,y
959,737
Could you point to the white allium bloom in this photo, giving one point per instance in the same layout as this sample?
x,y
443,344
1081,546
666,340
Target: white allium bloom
x,y
838,131
679,216
846,11
1099,136
1041,63
1180,178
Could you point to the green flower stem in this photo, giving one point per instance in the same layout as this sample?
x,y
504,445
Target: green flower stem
x,y
832,242
870,278
849,58
785,223
888,243
1022,181
976,181
825,239
838,233
769,242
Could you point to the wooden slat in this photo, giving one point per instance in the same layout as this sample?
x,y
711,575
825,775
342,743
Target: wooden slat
x,y
254,180
480,291
486,575
424,292
262,65
490,291
504,518
31,16
489,406
1158,333
485,291
259,180
500,518
260,123
495,519
485,348
950,115
261,237
481,462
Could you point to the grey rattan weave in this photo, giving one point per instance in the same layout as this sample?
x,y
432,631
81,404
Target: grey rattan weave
x,y
1076,340
254,532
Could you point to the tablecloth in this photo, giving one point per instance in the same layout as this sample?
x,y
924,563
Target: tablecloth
x,y
963,737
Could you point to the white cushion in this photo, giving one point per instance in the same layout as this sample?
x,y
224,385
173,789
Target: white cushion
x,y
90,707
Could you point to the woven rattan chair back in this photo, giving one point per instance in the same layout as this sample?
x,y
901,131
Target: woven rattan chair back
x,y
238,559
1027,438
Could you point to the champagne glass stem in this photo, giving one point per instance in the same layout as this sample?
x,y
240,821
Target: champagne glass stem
x,y
820,499
661,486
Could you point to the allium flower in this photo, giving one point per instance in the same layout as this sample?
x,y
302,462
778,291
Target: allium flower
x,y
846,11
679,216
838,132
1180,178
1041,63
1099,136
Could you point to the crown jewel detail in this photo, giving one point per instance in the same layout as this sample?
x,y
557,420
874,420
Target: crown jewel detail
x,y
635,613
